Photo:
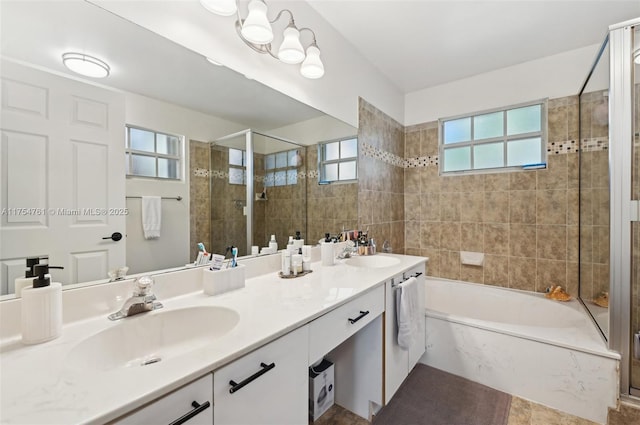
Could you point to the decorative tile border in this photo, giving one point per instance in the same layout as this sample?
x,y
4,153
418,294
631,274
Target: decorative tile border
x,y
200,172
595,145
422,161
560,148
379,154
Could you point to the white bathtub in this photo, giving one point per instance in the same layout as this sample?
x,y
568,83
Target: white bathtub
x,y
523,344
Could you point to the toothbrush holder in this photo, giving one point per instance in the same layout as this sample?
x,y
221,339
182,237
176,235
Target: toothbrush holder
x,y
216,282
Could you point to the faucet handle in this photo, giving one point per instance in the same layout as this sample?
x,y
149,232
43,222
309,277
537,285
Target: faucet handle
x,y
143,285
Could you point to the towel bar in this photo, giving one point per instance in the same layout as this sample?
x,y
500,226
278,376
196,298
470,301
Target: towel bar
x,y
405,278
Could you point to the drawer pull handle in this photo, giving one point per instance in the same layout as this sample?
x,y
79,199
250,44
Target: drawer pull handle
x,y
362,314
236,386
197,409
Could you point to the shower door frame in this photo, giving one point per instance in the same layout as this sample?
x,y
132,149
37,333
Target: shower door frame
x,y
620,147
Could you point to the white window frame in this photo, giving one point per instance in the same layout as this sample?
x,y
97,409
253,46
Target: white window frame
x,y
322,161
156,155
286,169
242,167
504,139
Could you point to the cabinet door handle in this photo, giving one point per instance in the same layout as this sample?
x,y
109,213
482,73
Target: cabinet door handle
x,y
236,386
362,314
197,409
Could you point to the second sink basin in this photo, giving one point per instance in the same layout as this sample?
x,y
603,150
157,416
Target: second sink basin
x,y
152,337
372,261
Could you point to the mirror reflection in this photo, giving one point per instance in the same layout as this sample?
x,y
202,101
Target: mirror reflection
x,y
79,153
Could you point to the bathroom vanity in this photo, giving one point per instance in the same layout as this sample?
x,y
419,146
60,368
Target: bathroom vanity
x,y
241,357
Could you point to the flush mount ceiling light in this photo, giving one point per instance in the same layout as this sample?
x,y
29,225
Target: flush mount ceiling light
x,y
256,31
85,65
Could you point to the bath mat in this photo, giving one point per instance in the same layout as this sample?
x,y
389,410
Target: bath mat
x,y
430,396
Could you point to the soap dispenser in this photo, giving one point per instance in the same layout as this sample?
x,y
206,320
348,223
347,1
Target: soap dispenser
x,y
27,281
298,242
273,244
41,308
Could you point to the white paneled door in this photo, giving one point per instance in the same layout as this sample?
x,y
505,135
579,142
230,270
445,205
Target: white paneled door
x,y
62,188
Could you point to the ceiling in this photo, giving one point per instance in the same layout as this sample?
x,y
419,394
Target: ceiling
x,y
423,43
38,32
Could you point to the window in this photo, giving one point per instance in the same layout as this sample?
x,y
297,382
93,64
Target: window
x,y
338,160
281,168
507,138
153,154
237,166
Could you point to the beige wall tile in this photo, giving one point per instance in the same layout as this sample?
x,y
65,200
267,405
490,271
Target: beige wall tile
x,y
552,242
496,182
496,207
412,234
471,274
450,206
525,180
555,176
522,240
430,234
450,236
450,264
572,243
496,239
472,207
522,273
550,272
472,237
522,206
412,180
429,142
412,144
496,270
429,207
433,265
429,180
450,183
412,206
551,207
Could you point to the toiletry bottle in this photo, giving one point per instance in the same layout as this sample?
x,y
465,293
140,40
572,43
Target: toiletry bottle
x,y
296,261
290,246
286,262
298,242
273,244
306,258
26,281
41,308
327,255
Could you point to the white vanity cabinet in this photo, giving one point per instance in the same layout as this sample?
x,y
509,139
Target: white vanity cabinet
x,y
267,386
191,404
399,362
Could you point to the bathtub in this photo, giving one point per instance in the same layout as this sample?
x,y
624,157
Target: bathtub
x,y
521,343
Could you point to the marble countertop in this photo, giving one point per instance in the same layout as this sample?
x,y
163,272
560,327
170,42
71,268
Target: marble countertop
x,y
39,385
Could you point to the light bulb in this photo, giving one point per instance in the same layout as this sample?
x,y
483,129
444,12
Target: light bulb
x,y
312,66
220,7
85,65
256,28
291,50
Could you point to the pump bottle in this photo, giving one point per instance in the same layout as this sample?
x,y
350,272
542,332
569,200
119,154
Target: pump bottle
x,y
41,308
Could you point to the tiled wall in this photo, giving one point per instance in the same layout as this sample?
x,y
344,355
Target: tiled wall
x,y
380,177
200,199
525,222
594,194
331,207
285,211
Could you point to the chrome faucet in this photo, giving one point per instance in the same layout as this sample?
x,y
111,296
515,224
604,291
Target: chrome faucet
x,y
141,301
349,249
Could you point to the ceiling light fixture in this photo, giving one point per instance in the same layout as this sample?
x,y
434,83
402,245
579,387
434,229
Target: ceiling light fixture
x,y
86,65
256,31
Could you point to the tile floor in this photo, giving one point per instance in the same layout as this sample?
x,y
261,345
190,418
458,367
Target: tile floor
x,y
522,412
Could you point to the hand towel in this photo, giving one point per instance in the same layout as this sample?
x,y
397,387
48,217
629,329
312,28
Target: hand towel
x,y
151,216
407,314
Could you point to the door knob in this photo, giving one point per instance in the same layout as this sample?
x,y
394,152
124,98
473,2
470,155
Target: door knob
x,y
115,236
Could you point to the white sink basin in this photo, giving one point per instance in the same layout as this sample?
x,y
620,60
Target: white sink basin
x,y
151,337
372,261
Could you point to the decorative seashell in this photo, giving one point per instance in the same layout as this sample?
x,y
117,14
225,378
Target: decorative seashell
x,y
602,299
555,292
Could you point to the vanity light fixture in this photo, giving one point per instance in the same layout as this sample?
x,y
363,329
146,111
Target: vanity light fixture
x,y
257,33
86,65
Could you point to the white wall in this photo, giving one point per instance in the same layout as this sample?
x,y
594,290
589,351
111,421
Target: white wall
x,y
172,248
315,130
553,76
348,74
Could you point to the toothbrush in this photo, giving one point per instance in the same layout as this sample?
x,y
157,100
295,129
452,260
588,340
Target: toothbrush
x,y
234,257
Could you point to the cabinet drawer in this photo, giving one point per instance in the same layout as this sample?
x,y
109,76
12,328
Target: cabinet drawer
x,y
270,384
330,330
178,404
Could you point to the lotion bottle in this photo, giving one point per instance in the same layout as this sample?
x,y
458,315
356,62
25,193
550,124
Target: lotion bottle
x,y
273,244
41,308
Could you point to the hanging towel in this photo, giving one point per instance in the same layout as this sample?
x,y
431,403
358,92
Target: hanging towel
x,y
151,216
407,314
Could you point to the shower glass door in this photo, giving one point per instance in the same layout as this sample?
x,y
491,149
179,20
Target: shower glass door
x,y
594,191
635,226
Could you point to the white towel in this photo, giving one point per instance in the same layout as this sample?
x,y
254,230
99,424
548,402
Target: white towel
x,y
407,314
151,216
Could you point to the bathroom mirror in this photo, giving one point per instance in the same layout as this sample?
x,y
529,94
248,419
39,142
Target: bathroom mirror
x,y
156,85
